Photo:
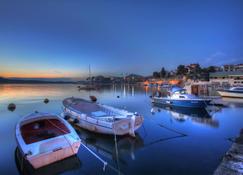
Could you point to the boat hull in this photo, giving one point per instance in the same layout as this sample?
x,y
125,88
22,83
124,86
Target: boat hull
x,y
122,127
45,159
181,103
227,93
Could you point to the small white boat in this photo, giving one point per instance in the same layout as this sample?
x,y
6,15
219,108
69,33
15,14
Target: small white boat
x,y
236,92
44,138
101,118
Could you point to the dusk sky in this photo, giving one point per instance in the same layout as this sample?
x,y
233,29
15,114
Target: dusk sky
x,y
56,38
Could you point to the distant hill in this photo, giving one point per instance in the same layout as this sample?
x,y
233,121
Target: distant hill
x,y
21,81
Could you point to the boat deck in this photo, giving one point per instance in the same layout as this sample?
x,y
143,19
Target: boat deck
x,y
43,129
89,108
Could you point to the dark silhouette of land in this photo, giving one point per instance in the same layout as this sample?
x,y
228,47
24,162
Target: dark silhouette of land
x,y
19,81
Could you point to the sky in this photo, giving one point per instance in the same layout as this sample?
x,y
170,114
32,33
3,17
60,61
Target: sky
x,y
61,38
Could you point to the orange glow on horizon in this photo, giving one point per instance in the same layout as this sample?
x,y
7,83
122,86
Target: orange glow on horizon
x,y
33,75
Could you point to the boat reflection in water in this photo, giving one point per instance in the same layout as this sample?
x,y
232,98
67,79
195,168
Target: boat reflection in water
x,y
110,148
25,168
181,114
233,102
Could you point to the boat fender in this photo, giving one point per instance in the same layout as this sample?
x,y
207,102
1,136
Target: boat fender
x,y
132,126
67,117
76,121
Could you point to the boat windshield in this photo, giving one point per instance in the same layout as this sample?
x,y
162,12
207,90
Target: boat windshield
x,y
237,88
42,129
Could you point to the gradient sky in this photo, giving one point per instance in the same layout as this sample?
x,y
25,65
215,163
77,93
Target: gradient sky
x,y
56,38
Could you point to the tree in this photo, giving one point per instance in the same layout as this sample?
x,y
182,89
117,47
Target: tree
x,y
181,70
156,74
162,72
211,69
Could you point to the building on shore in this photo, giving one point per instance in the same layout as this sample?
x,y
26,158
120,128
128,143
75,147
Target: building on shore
x,y
227,78
232,67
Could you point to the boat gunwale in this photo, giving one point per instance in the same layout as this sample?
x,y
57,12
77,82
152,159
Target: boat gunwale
x,y
26,147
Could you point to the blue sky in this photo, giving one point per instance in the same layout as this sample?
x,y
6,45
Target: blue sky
x,y
56,38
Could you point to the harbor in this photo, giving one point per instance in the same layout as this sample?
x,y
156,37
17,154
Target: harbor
x,y
114,87
168,134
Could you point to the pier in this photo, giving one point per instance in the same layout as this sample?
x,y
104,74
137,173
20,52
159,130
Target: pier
x,y
232,163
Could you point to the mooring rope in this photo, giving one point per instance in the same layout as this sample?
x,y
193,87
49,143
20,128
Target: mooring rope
x,y
103,161
163,126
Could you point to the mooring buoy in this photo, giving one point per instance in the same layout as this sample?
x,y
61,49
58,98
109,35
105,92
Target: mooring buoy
x,y
93,98
11,107
46,100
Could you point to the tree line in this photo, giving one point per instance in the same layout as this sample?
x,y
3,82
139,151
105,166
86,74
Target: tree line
x,y
195,72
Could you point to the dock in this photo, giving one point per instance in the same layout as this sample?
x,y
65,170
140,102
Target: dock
x,y
232,163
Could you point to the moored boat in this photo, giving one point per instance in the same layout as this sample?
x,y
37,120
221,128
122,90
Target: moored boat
x,y
236,92
101,118
45,138
180,98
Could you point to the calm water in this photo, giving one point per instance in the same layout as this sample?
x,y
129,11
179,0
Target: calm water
x,y
171,141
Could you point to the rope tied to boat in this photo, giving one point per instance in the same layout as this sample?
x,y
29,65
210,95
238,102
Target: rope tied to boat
x,y
103,161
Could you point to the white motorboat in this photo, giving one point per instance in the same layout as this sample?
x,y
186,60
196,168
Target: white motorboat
x,y
180,98
101,118
236,92
45,138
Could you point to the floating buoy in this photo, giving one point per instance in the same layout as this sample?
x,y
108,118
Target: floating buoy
x,y
46,101
118,96
152,111
93,98
11,107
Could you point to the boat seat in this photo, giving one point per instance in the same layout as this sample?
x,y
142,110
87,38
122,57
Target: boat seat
x,y
99,114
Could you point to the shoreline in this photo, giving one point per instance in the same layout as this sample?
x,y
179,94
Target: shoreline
x,y
232,163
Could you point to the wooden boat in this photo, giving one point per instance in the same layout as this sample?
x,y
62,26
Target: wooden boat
x,y
45,138
236,92
180,98
101,118
66,165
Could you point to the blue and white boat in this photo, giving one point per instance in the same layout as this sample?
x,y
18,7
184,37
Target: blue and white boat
x,y
180,98
236,92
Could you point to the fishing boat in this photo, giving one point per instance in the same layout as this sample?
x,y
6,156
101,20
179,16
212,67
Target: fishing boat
x,y
45,138
101,118
180,98
232,92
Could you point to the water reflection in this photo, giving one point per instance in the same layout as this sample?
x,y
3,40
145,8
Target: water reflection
x,y
158,138
181,114
65,165
107,147
233,102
